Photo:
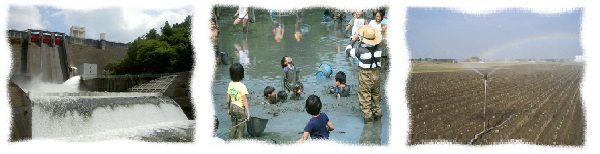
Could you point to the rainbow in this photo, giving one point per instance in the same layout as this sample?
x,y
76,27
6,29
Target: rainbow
x,y
524,40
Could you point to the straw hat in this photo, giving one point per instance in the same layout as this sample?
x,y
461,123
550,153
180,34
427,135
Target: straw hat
x,y
369,35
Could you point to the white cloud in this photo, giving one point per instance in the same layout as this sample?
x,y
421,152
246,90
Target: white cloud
x,y
24,17
121,24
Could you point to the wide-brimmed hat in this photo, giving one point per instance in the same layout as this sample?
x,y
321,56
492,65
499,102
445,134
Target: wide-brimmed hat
x,y
369,35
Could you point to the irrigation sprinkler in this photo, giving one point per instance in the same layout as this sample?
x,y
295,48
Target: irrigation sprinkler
x,y
485,77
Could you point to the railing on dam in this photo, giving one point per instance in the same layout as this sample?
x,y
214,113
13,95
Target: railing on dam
x,y
117,83
92,42
16,34
130,76
69,39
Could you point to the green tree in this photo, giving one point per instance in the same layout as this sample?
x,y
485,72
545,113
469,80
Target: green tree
x,y
152,34
166,30
155,53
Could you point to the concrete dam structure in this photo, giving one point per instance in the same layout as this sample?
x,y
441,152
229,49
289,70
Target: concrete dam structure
x,y
53,94
42,56
53,56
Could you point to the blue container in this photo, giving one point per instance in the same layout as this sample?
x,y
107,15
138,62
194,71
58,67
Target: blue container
x,y
324,71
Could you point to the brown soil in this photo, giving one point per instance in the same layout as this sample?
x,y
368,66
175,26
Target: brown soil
x,y
532,103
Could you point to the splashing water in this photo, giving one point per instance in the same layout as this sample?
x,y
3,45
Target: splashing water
x,y
72,116
468,65
63,112
73,80
38,86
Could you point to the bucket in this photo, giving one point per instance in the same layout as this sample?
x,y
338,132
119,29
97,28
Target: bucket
x,y
324,71
256,126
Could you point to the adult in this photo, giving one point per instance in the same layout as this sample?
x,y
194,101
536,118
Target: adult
x,y
242,15
368,53
379,23
214,38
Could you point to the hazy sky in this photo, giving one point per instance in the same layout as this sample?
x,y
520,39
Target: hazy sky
x,y
504,34
119,24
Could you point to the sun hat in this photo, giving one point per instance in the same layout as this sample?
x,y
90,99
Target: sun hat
x,y
369,35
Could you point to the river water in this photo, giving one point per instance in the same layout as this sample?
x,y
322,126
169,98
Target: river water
x,y
322,41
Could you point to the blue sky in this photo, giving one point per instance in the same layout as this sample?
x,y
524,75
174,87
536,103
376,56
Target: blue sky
x,y
503,34
118,23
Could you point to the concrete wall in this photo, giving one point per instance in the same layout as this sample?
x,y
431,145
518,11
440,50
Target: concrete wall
x,y
78,54
46,61
18,55
20,105
179,91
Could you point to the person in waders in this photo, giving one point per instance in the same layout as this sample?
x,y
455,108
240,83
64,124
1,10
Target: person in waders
x,y
368,52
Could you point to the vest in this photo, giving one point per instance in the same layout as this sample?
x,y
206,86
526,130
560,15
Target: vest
x,y
369,57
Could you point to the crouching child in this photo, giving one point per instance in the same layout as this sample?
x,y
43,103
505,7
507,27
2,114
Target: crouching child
x,y
318,126
340,89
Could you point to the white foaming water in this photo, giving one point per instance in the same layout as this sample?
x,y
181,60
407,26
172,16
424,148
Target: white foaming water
x,y
73,80
68,117
178,128
71,85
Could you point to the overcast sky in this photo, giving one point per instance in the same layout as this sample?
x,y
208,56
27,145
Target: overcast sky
x,y
120,24
504,34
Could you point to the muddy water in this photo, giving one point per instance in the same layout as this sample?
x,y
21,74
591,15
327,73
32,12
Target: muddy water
x,y
322,41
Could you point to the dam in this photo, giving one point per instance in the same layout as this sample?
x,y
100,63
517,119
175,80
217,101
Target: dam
x,y
52,98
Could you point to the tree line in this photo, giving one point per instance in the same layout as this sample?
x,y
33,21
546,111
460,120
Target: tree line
x,y
153,53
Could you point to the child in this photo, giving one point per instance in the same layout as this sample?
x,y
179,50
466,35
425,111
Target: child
x,y
340,89
356,22
290,73
237,101
270,95
298,89
318,126
286,64
282,96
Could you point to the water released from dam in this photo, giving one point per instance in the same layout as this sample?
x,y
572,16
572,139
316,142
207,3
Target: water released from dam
x,y
62,112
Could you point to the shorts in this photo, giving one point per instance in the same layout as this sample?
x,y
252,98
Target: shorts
x,y
238,114
242,16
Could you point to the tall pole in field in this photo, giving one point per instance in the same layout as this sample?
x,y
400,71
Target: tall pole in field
x,y
485,77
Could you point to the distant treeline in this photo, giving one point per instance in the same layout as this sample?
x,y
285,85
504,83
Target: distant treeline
x,y
168,52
